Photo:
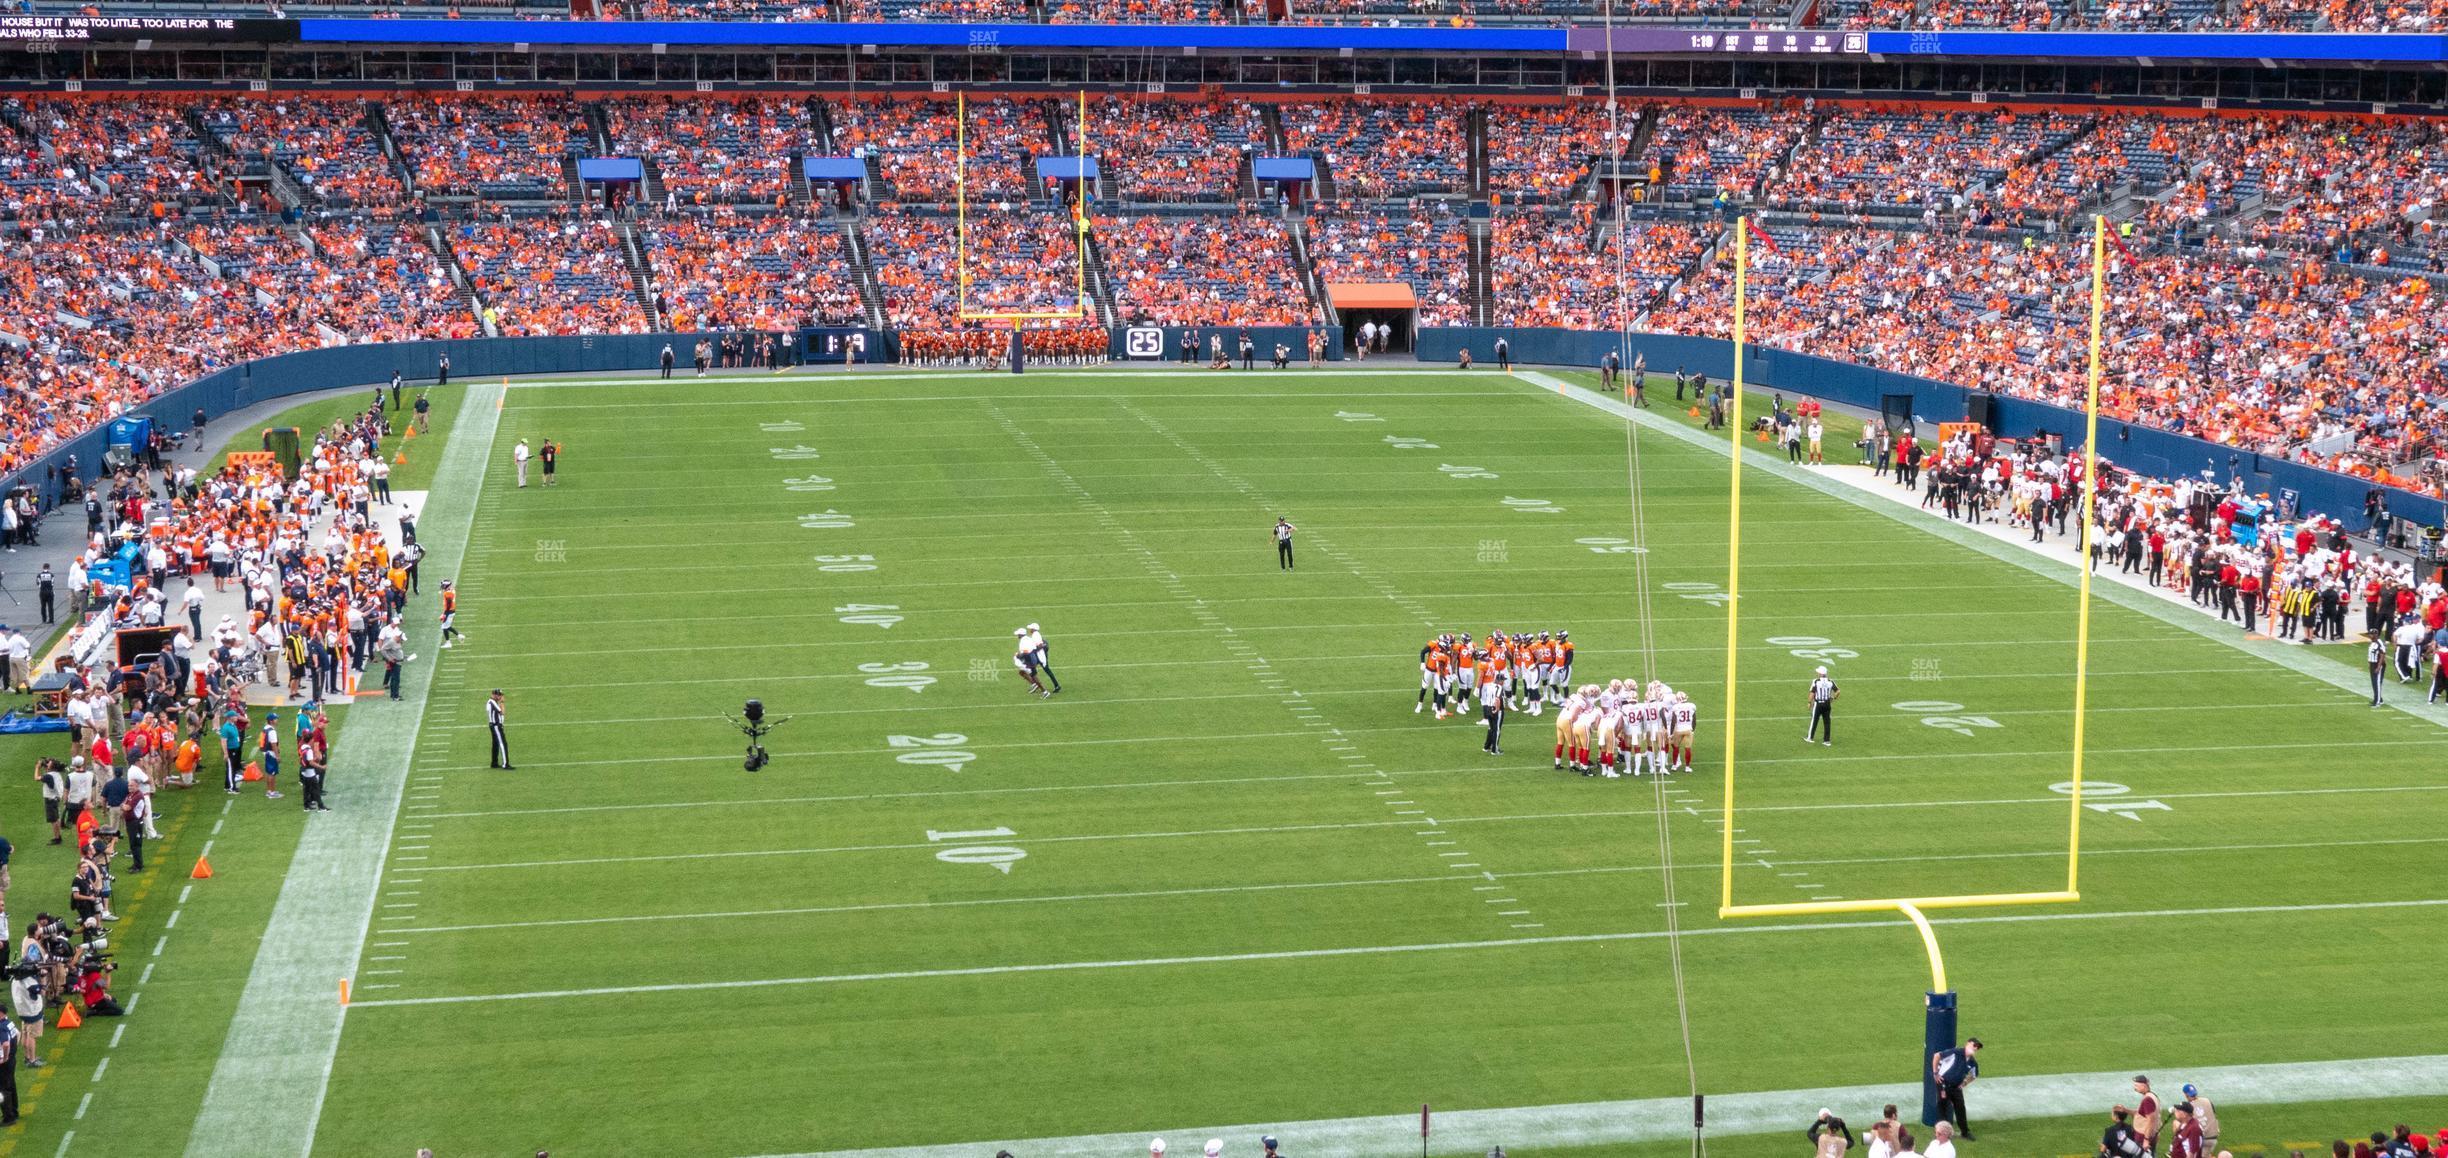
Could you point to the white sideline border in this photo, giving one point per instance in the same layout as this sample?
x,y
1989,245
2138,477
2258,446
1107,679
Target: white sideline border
x,y
266,1092
1527,1129
2104,585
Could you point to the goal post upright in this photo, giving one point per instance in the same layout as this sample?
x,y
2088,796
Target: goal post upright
x,y
1742,254
2082,616
1941,1010
1079,309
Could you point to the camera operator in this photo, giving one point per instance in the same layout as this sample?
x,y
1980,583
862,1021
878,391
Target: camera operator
x,y
1829,1136
50,941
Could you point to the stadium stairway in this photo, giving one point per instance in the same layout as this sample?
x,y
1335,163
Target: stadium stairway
x,y
875,188
651,180
1482,290
441,247
641,271
1475,145
1100,285
799,192
1270,119
378,122
1296,228
862,268
820,121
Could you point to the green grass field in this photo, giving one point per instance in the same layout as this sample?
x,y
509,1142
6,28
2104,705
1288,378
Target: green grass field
x,y
1228,875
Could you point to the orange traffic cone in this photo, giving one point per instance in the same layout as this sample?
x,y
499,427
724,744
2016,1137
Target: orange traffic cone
x,y
407,434
1695,412
402,460
253,773
203,870
68,1017
344,991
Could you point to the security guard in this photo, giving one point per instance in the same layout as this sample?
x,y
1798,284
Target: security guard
x,y
1953,1069
1823,695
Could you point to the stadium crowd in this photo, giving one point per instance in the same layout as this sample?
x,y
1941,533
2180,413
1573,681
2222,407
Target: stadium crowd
x,y
549,274
715,151
496,146
759,271
2271,300
1206,270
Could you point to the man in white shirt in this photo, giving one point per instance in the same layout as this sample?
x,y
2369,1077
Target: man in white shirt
x,y
79,792
1904,1145
2408,637
518,456
1942,1145
20,659
193,601
140,786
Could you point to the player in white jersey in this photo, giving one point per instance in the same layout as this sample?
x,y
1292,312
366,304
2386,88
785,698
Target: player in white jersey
x,y
1685,714
1630,732
1661,723
1604,725
1643,741
1568,717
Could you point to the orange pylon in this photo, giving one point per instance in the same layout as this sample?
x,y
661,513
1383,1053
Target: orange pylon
x,y
68,1017
203,870
344,991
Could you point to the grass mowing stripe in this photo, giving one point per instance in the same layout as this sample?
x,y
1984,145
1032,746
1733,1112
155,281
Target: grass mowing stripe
x,y
266,1092
1379,950
1690,866
1769,1111
2286,656
1184,834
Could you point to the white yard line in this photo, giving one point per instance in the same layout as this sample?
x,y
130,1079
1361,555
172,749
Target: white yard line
x,y
1384,950
266,1092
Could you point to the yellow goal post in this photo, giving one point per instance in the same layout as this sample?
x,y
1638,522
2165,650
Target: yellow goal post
x,y
1911,907
1080,308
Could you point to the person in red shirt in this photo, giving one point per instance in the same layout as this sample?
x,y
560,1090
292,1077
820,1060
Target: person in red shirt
x,y
2188,1141
2146,1114
2248,589
2227,579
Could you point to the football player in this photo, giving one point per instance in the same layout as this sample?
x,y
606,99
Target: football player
x,y
1685,715
1428,680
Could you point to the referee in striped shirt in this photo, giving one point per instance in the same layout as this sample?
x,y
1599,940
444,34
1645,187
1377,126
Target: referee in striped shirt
x,y
495,716
1823,695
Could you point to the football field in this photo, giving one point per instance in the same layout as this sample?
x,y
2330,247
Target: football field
x,y
1228,875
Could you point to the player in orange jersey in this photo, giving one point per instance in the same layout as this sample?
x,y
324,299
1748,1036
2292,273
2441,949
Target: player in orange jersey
x,y
1437,673
450,614
1432,658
